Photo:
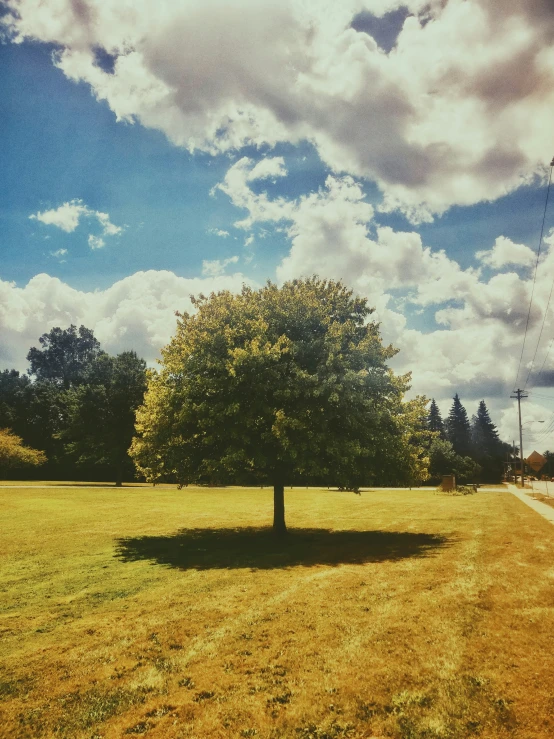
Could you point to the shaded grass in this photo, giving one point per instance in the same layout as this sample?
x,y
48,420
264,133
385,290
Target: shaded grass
x,y
171,613
257,548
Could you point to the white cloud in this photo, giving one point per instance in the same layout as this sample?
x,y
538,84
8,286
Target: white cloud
x,y
535,429
505,252
218,232
108,229
96,242
68,216
137,312
59,253
260,207
216,267
457,113
268,168
475,348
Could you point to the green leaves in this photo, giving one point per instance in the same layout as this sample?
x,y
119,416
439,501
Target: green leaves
x,y
13,453
102,410
289,382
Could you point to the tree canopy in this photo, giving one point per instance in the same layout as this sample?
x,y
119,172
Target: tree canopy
x,y
488,449
458,429
470,451
64,355
79,408
13,453
483,431
434,420
443,460
280,385
101,411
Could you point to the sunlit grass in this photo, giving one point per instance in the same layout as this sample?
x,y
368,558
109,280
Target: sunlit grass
x,y
548,499
172,613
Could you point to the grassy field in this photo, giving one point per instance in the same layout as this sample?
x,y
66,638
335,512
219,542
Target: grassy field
x,y
168,613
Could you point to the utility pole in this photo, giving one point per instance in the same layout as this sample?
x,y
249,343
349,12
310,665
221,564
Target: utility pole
x,y
514,463
519,395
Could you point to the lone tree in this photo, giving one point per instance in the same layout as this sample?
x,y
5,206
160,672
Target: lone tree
x,y
458,430
279,385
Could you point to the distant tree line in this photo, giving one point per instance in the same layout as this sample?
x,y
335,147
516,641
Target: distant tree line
x,y
75,411
472,450
76,406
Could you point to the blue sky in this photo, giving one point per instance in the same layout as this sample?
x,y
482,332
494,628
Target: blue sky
x,y
199,168
62,144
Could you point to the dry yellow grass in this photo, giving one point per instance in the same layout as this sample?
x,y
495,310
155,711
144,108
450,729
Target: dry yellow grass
x,y
175,614
543,498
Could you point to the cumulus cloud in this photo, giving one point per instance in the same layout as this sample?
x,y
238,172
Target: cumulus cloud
x,y
68,216
536,426
505,253
136,313
260,208
216,267
477,323
96,242
457,112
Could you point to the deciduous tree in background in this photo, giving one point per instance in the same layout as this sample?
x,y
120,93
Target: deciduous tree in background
x,y
64,355
13,453
280,385
443,460
79,408
101,412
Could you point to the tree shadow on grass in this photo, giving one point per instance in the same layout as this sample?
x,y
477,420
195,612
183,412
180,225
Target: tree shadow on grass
x,y
257,548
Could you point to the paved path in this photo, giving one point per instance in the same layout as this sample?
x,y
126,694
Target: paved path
x,y
545,510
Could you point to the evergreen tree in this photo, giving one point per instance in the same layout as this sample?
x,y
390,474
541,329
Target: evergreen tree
x,y
488,450
484,433
434,420
458,429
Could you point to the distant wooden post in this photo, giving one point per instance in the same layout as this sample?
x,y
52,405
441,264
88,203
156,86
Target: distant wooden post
x,y
448,483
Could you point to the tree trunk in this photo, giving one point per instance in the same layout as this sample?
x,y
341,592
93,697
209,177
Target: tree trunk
x,y
279,525
119,475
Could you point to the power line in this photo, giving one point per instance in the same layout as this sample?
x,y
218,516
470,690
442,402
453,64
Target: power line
x,y
547,351
551,286
534,281
540,395
541,436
